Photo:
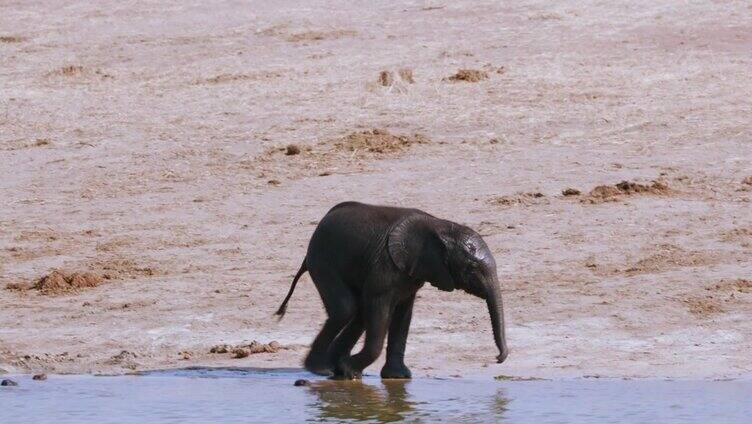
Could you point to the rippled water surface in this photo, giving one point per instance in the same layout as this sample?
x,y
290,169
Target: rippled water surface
x,y
252,395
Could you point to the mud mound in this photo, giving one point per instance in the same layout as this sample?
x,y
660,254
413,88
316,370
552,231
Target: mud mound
x,y
244,350
377,141
606,193
520,199
58,282
741,235
468,75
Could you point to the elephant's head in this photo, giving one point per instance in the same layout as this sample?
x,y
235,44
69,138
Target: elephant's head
x,y
450,256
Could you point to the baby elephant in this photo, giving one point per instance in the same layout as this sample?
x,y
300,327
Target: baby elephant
x,y
367,263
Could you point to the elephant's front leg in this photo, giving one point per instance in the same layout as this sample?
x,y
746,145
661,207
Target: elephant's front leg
x,y
395,349
377,313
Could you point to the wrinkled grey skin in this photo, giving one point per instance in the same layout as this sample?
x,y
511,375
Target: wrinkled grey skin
x,y
367,263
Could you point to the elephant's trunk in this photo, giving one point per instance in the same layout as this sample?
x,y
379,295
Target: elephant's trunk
x,y
496,310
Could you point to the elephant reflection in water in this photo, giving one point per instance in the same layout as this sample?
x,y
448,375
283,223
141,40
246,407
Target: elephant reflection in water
x,y
357,401
354,400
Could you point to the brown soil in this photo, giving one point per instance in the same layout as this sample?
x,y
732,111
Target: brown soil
x,y
319,35
703,307
123,268
520,199
468,75
739,285
377,141
11,39
229,78
59,282
668,256
246,349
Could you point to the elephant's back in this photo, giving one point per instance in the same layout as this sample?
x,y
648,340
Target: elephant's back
x,y
350,235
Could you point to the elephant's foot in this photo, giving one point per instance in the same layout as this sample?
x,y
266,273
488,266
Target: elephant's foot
x,y
343,371
395,371
318,366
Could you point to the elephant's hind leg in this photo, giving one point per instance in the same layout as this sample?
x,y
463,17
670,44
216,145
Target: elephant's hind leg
x,y
376,317
339,302
344,343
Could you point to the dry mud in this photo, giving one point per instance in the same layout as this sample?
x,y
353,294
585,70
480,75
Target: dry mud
x,y
183,154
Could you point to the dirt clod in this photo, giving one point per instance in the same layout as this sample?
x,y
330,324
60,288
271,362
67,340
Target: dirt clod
x,y
58,282
223,348
243,350
292,149
571,192
240,353
39,377
386,78
468,75
302,382
407,75
747,181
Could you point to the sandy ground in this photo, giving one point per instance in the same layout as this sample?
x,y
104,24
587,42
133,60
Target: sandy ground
x,y
141,142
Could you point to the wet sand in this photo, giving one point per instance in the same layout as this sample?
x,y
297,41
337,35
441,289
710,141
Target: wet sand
x,y
148,145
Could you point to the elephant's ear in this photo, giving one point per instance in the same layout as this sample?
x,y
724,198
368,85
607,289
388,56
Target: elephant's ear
x,y
418,251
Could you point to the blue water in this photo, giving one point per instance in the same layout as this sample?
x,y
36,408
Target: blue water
x,y
253,395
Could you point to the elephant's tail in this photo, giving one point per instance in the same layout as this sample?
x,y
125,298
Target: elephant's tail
x,y
283,307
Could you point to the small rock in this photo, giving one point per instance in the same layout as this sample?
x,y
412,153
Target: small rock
x,y
571,192
39,377
301,382
273,182
292,149
219,349
240,353
8,382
